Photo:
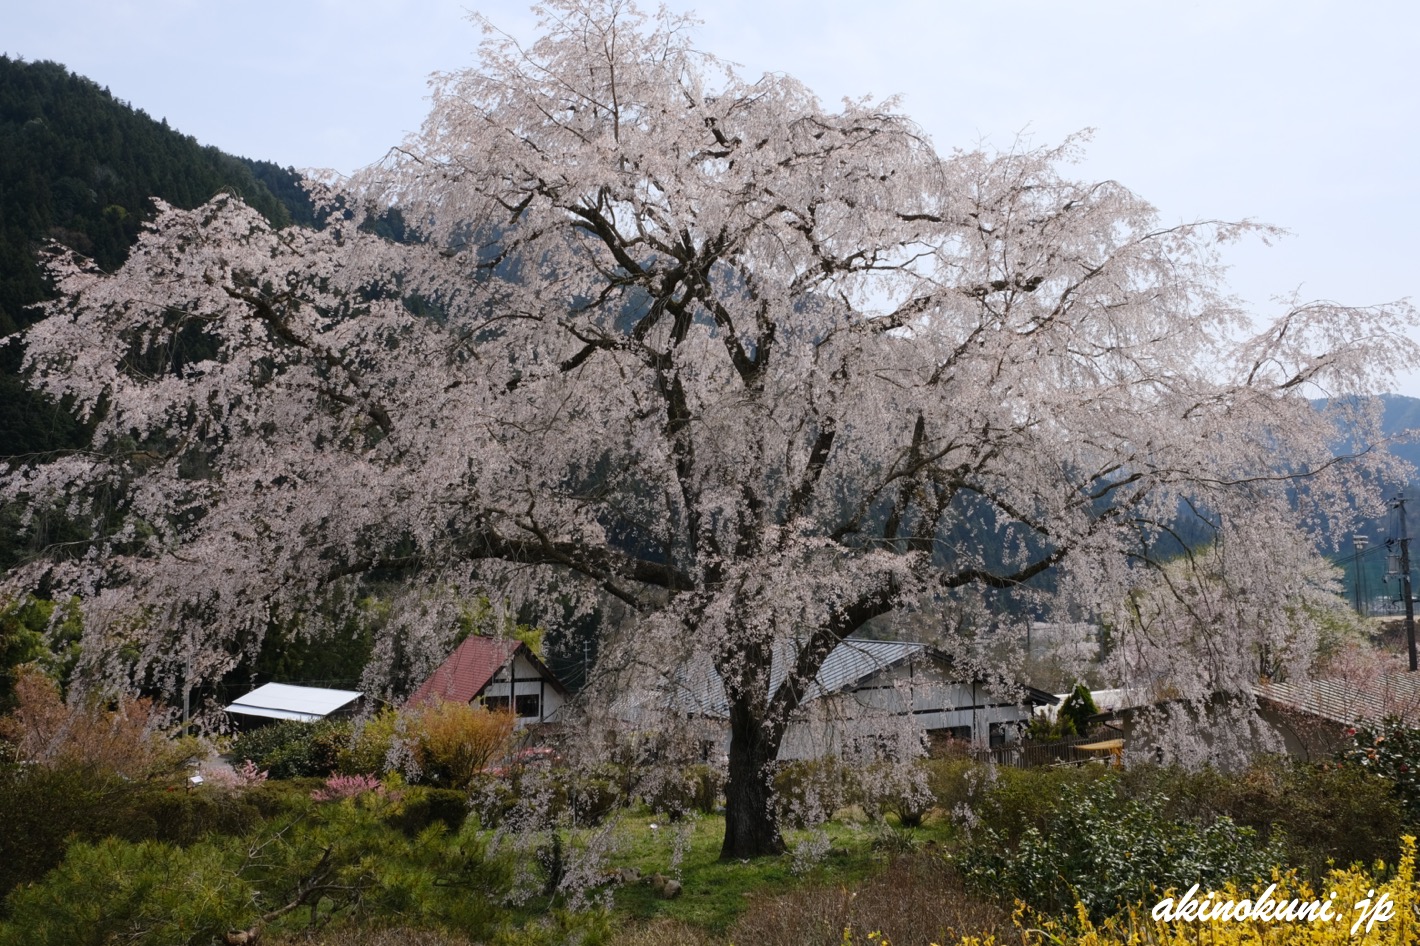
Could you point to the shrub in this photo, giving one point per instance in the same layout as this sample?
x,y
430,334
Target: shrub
x,y
1328,815
284,798
344,861
956,785
346,786
422,806
45,730
807,792
590,927
455,741
693,788
368,750
1318,813
1078,707
1009,801
909,807
1103,850
1390,750
294,749
43,806
180,816
495,797
46,807
709,784
1351,889
353,861
448,743
591,796
261,744
146,893
1070,719
329,738
245,774
535,792
900,790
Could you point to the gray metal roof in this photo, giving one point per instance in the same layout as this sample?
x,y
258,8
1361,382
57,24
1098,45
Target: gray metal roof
x,y
696,689
284,701
853,660
1349,702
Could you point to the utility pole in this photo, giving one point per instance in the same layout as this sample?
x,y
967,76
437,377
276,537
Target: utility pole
x,y
1405,582
1358,545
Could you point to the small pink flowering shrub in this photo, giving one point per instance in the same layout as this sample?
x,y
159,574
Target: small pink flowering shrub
x,y
347,786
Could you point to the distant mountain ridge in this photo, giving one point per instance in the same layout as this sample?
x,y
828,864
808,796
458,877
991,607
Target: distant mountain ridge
x,y
1402,415
80,167
1400,421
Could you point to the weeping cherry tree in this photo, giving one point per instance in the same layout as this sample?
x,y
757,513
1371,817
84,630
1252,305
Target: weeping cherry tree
x,y
758,370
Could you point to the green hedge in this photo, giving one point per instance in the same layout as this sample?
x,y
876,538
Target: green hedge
x,y
293,749
1103,849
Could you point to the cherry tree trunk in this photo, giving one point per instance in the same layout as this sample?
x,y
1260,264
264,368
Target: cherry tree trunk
x,y
751,828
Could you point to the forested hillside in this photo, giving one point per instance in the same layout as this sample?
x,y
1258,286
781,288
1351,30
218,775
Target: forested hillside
x,y
81,167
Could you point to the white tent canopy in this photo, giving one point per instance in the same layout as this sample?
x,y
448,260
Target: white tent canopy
x,y
284,701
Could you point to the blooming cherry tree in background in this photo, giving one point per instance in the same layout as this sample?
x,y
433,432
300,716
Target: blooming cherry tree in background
x,y
758,370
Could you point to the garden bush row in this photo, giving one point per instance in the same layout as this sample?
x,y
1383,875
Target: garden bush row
x,y
342,861
475,752
1317,813
446,743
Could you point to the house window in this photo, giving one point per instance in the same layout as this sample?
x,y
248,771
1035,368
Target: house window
x,y
527,705
1002,733
495,704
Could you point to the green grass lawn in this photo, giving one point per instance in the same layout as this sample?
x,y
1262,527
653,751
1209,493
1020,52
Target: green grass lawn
x,y
715,893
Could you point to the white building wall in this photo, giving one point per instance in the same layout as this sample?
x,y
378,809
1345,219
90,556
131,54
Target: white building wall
x,y
894,707
526,682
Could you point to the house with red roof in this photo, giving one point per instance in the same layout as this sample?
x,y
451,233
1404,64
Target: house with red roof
x,y
499,673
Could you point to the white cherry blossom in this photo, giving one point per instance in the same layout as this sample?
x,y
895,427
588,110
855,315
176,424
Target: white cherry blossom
x,y
756,369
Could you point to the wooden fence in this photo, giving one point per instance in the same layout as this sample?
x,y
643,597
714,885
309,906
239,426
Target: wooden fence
x,y
1064,752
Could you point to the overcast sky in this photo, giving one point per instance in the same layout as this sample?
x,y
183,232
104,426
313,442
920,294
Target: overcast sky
x,y
1301,114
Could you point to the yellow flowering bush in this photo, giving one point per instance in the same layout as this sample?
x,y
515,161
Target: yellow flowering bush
x,y
1376,907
